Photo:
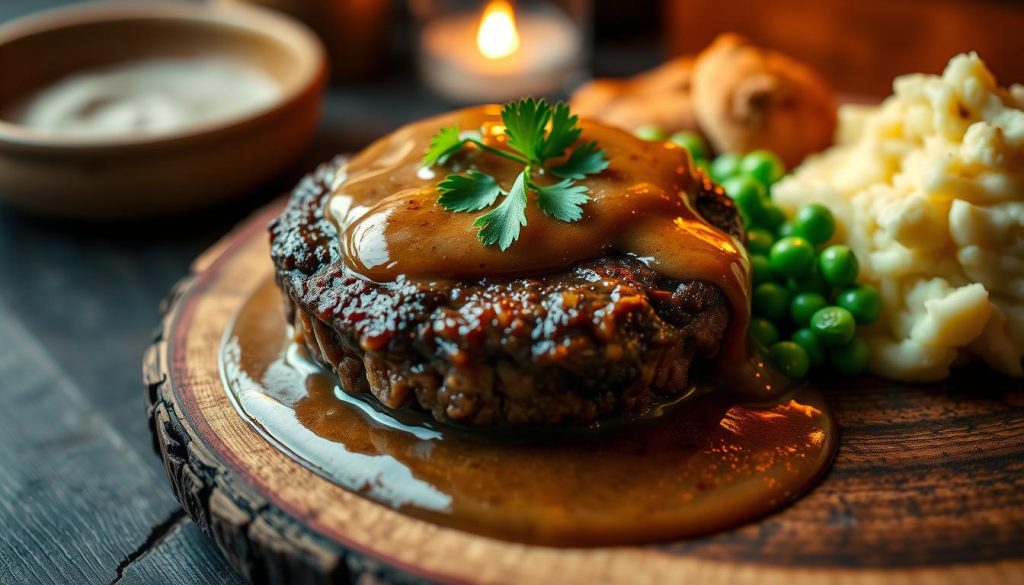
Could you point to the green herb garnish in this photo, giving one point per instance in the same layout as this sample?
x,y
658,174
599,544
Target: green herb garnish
x,y
537,134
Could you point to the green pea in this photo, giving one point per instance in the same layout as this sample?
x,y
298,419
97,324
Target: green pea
x,y
790,359
763,331
692,142
806,339
770,300
792,256
763,165
761,269
650,132
838,265
748,195
810,281
725,166
785,230
815,223
771,218
850,359
804,306
863,301
834,326
760,241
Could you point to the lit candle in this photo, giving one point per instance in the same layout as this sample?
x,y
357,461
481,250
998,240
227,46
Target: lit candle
x,y
499,54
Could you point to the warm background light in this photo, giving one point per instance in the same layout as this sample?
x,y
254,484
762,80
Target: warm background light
x,y
497,36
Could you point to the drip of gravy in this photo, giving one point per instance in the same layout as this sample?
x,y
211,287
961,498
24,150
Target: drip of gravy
x,y
701,466
384,203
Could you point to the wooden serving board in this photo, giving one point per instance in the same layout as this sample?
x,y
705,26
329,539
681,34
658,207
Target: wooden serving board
x,y
927,486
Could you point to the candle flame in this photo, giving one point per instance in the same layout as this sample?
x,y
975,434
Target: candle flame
x,y
497,36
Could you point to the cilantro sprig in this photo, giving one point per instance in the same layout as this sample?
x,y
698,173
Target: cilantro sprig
x,y
537,135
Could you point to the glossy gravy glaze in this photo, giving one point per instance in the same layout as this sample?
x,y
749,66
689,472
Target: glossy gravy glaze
x,y
384,204
703,467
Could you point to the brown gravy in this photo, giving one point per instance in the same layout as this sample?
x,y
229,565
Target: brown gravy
x,y
390,226
704,465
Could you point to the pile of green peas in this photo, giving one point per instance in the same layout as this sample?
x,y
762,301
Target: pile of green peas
x,y
806,301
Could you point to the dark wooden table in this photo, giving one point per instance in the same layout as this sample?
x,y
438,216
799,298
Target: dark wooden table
x,y
83,498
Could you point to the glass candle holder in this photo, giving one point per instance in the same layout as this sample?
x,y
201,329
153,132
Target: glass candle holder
x,y
481,51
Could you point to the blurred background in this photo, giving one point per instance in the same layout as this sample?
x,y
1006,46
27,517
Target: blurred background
x,y
375,46
394,61
79,297
858,45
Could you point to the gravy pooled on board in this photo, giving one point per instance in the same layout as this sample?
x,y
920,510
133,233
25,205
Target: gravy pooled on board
x,y
701,466
697,464
384,203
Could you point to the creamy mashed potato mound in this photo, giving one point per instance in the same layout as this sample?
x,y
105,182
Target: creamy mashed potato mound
x,y
928,190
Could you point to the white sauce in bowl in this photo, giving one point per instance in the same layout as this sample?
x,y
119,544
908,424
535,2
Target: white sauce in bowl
x,y
149,96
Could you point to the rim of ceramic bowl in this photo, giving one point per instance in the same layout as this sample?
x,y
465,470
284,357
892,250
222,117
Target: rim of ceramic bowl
x,y
287,34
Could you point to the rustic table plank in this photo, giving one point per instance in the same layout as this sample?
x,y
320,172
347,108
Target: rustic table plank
x,y
164,562
89,294
76,502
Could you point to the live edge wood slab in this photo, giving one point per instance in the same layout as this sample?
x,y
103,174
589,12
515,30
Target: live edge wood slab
x,y
927,487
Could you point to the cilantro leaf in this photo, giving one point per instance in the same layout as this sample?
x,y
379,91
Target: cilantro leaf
x,y
564,132
562,200
587,159
535,133
525,122
442,145
501,225
470,192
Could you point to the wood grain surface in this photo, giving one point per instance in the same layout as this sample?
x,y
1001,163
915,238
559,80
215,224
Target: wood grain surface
x,y
928,484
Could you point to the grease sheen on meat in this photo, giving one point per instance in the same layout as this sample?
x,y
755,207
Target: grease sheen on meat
x,y
606,335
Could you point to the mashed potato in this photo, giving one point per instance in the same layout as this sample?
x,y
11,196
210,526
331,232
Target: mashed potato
x,y
928,189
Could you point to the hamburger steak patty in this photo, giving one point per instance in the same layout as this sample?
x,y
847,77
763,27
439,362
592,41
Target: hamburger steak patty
x,y
608,335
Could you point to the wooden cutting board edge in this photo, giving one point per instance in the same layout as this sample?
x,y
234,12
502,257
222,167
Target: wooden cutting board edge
x,y
267,543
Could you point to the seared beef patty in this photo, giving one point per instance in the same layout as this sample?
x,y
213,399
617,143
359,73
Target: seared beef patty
x,y
608,335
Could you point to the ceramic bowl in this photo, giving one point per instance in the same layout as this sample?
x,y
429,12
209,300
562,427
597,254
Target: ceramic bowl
x,y
138,175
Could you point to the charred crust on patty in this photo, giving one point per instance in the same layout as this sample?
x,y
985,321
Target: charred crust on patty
x,y
606,336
